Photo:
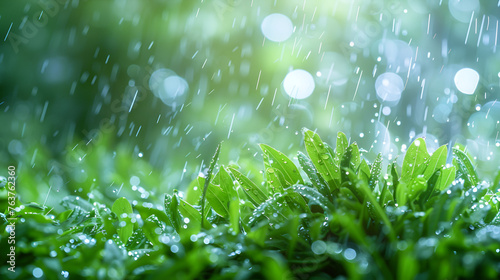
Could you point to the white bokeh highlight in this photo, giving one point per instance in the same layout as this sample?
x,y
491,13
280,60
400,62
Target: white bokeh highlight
x,y
169,87
466,80
299,84
462,10
277,27
389,87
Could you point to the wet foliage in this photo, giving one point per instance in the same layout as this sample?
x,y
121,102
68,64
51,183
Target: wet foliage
x,y
326,213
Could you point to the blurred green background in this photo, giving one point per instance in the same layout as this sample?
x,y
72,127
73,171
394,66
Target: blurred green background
x,y
110,98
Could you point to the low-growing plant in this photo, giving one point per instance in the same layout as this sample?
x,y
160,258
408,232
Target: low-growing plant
x,y
327,214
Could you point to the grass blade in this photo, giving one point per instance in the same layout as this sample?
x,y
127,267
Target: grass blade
x,y
446,177
414,160
218,199
465,168
171,209
280,161
375,172
123,209
342,144
316,179
255,194
322,159
436,162
207,180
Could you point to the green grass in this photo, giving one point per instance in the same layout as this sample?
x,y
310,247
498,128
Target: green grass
x,y
326,214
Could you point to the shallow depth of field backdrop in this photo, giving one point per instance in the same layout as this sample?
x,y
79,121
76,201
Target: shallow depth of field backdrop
x,y
104,99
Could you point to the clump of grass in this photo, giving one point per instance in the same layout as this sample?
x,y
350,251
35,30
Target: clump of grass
x,y
334,214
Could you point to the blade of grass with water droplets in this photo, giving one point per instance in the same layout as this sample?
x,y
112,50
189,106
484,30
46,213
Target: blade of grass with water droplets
x,y
171,209
207,180
316,179
350,161
255,195
322,159
194,216
365,195
446,178
415,157
375,172
364,170
123,209
314,197
152,229
218,199
341,146
465,168
280,161
436,162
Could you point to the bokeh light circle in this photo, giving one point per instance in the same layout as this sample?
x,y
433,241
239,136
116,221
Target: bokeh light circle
x,y
462,10
168,86
466,80
277,27
389,87
480,125
299,84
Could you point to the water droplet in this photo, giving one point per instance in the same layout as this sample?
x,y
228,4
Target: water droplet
x,y
350,254
37,272
318,247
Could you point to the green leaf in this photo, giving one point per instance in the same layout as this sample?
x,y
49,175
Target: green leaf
x,y
355,156
194,216
375,172
194,191
255,195
425,198
322,159
275,208
137,240
37,217
317,181
207,179
152,229
496,181
386,195
446,177
465,168
219,200
364,170
342,144
350,161
123,210
227,184
314,197
401,193
373,206
436,162
408,265
281,162
414,160
258,235
171,209
394,174
64,215
275,180
409,192
234,215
